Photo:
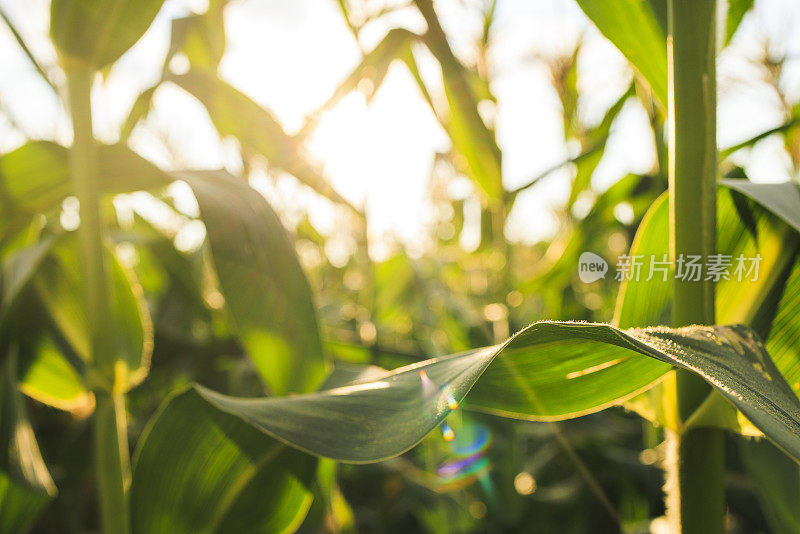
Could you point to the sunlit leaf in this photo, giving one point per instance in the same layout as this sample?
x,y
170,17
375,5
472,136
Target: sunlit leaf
x,y
201,38
246,482
98,32
473,141
736,12
258,131
375,65
47,376
633,27
139,110
596,138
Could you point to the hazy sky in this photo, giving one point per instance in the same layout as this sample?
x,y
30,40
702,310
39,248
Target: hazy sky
x,y
290,55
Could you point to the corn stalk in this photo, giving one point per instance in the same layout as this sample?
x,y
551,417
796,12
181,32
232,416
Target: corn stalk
x,y
695,461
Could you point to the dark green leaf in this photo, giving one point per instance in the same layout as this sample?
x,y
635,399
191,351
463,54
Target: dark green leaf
x,y
266,292
19,505
777,481
17,269
197,469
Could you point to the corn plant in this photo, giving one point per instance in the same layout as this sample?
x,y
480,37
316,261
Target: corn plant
x,y
697,357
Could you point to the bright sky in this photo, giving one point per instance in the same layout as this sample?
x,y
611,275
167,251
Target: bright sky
x,y
290,55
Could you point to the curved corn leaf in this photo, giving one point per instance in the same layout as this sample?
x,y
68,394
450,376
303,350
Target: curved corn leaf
x,y
258,131
782,199
266,292
58,283
375,419
769,303
47,376
633,27
98,32
246,482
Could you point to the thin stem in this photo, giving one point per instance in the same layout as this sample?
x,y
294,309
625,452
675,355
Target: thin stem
x,y
695,470
111,447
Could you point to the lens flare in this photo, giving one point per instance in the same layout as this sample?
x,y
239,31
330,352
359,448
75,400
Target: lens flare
x,y
452,403
447,432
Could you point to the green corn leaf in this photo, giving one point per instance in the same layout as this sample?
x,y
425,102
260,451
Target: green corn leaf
x,y
17,269
19,505
35,177
633,27
47,376
777,481
247,483
274,314
59,284
44,374
782,199
769,303
596,142
139,110
20,456
736,12
98,32
200,37
474,142
258,131
372,68
266,292
375,419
